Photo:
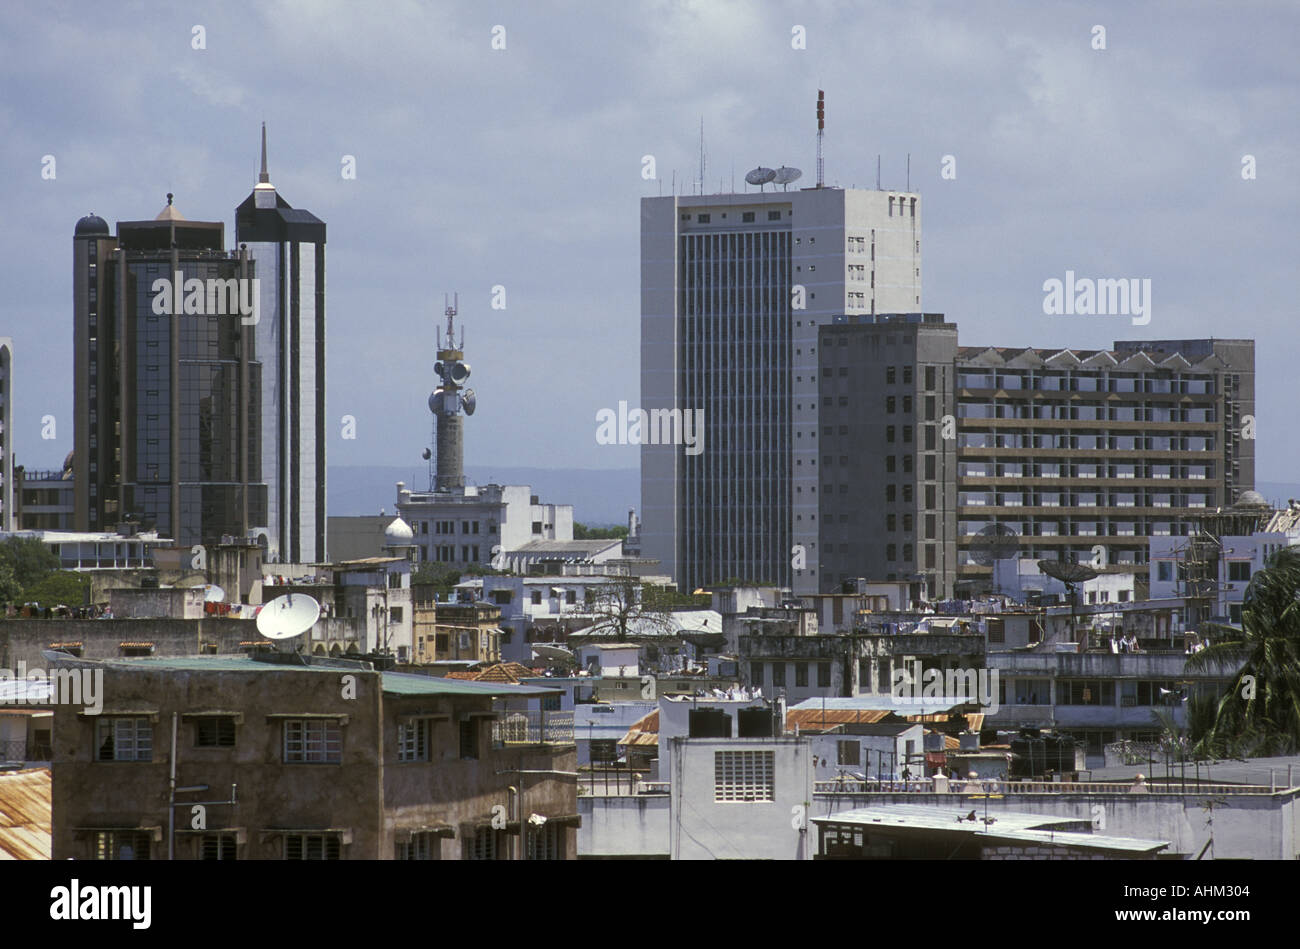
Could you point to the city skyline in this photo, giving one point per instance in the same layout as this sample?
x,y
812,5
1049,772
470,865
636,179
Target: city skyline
x,y
1029,110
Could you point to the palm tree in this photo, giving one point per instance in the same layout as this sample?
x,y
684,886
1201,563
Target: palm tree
x,y
1260,712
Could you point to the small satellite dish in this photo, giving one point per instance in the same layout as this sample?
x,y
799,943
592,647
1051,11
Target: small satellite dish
x,y
288,616
468,400
458,372
554,653
426,454
437,368
213,593
760,176
435,401
786,175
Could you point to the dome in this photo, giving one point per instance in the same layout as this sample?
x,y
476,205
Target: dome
x,y
1251,499
398,533
91,225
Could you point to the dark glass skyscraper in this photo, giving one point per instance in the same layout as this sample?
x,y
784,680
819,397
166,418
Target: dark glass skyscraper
x,y
167,403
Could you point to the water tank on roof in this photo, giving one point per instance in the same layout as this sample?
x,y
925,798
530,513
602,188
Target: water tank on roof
x,y
709,723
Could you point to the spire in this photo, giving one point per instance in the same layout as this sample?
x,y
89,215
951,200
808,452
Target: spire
x,y
264,178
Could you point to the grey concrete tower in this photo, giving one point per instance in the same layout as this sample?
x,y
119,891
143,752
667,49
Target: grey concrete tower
x,y
446,403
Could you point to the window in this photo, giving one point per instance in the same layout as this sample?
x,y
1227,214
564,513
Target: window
x,y
313,741
420,847
1239,571
889,433
537,527
747,217
311,847
395,614
801,675
997,631
1164,571
778,674
604,750
413,740
218,847
740,776
889,375
823,674
756,676
545,842
848,754
889,463
537,597
907,373
469,738
121,845
704,218
774,215
486,844
124,739
214,731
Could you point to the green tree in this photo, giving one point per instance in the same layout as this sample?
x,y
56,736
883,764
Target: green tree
x,y
11,590
1260,712
66,587
583,532
28,559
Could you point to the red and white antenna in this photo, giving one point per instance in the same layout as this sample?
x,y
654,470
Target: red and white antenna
x,y
821,131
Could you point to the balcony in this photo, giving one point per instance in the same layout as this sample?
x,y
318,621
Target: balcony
x,y
532,728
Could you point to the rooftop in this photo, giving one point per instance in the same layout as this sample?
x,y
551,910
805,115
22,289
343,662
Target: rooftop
x,y
1011,827
25,809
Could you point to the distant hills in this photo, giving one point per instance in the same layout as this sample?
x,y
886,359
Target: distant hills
x,y
600,497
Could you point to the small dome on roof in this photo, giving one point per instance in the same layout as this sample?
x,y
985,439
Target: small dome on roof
x,y
1251,499
398,533
90,225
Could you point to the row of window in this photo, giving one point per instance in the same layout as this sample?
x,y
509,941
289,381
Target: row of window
x,y
758,673
304,741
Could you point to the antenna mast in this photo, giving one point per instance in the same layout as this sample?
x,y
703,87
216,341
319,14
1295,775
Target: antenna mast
x,y
821,132
703,162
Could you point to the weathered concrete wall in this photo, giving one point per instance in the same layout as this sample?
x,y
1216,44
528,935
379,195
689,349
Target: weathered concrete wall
x,y
627,826
272,795
23,639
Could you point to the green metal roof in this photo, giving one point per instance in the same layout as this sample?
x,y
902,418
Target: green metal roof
x,y
395,683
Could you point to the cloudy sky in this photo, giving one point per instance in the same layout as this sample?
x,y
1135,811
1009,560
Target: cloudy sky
x,y
521,167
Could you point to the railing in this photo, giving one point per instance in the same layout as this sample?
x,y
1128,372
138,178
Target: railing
x,y
533,728
852,786
23,750
619,782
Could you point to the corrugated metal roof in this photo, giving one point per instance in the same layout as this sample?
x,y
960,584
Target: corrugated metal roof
x,y
25,815
644,731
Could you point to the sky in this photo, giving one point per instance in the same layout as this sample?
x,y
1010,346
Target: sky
x,y
521,167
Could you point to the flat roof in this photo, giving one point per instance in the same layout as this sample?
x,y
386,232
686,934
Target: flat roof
x,y
903,705
1011,826
395,683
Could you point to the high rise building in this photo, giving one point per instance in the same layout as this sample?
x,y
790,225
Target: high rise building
x,y
287,245
734,291
930,448
166,381
7,512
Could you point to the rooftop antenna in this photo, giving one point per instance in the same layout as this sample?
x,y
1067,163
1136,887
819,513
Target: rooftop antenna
x,y
821,132
263,177
702,158
909,172
877,171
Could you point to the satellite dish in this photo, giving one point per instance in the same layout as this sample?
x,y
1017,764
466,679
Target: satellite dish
x,y
435,401
426,454
760,176
288,616
458,372
1067,571
213,593
786,175
993,543
554,653
437,368
469,401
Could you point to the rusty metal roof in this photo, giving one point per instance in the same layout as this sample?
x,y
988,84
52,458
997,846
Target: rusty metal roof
x,y
644,731
25,815
811,719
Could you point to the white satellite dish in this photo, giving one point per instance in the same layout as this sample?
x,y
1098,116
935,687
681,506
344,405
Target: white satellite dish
x,y
785,175
213,593
288,616
760,176
555,653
